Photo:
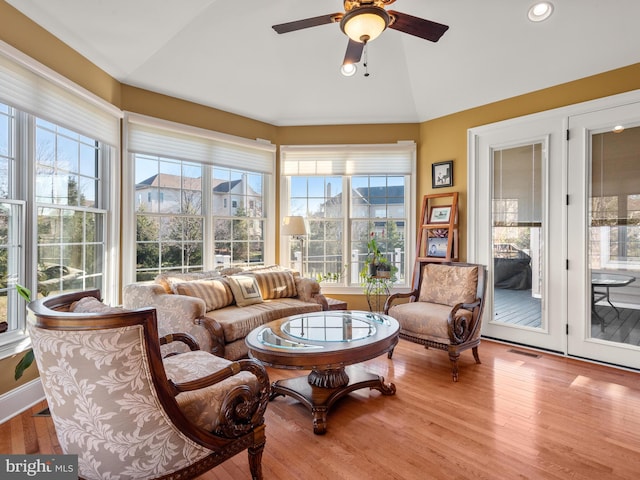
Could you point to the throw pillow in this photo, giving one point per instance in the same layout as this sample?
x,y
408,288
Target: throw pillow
x,y
276,284
216,292
92,305
170,279
448,284
245,289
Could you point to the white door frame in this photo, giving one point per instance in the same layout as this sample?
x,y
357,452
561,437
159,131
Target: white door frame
x,y
477,227
545,129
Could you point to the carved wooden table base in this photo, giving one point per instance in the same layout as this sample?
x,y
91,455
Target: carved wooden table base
x,y
311,390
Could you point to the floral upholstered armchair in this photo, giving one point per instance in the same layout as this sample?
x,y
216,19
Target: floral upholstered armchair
x,y
444,309
127,412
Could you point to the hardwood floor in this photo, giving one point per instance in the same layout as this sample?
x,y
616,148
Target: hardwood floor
x,y
520,414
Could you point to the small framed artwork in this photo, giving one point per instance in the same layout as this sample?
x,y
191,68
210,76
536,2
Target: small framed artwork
x,y
440,214
442,174
437,247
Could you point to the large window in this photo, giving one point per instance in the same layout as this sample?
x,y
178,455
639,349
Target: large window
x,y
66,211
195,209
71,211
169,219
239,221
56,153
347,200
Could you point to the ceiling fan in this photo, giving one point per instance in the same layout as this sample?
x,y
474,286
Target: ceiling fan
x,y
365,20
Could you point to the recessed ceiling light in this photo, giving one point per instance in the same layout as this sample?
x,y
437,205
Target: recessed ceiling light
x,y
348,69
540,11
618,129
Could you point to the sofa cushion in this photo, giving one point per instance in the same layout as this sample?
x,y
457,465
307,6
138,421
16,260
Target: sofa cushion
x,y
428,322
238,322
448,284
215,292
276,284
245,289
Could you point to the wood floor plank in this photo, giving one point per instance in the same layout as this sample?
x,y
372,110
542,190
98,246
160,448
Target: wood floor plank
x,y
515,416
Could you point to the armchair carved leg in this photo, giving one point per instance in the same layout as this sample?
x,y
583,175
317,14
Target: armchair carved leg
x,y
453,356
255,457
475,354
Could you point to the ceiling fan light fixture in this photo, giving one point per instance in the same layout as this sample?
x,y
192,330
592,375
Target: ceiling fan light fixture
x,y
348,69
540,11
364,24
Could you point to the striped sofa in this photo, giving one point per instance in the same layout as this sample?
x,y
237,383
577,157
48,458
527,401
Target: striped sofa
x,y
219,308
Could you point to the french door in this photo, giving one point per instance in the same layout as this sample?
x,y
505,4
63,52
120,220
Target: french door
x,y
604,235
517,220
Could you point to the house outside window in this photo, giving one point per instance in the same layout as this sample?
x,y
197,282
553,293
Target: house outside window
x,y
169,231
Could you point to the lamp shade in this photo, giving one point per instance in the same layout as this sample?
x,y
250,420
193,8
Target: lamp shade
x,y
294,225
365,23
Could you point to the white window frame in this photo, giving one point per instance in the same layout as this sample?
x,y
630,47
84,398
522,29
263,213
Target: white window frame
x,y
35,90
153,136
348,161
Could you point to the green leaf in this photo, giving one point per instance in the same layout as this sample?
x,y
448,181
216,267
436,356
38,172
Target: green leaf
x,y
23,364
24,292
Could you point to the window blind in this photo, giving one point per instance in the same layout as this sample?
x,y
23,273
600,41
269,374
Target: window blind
x,y
30,86
167,139
380,159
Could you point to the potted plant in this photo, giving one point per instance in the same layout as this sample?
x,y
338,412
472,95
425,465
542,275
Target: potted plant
x,y
374,256
27,359
383,269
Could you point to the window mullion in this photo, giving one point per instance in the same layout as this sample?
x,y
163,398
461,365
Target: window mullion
x,y
209,254
346,227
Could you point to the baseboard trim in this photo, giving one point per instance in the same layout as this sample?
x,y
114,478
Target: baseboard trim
x,y
20,399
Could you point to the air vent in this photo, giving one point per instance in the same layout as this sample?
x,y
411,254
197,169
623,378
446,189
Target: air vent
x,y
522,352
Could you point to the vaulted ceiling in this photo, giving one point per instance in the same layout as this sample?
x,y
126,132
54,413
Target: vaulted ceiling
x,y
224,53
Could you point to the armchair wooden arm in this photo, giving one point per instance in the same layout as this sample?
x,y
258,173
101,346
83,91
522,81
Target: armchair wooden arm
x,y
412,296
185,338
462,327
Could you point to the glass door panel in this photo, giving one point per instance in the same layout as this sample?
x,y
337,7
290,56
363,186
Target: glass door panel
x,y
614,235
517,206
604,233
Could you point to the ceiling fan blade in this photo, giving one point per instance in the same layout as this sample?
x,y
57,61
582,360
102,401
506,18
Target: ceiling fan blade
x,y
354,52
417,26
307,22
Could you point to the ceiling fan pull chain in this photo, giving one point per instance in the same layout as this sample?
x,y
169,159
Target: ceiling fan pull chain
x,y
366,59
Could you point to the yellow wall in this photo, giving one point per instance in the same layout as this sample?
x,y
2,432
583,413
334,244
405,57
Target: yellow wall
x,y
438,140
445,138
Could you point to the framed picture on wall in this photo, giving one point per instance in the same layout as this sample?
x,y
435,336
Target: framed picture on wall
x,y
442,174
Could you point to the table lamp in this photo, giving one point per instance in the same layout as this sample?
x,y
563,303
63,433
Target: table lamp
x,y
296,227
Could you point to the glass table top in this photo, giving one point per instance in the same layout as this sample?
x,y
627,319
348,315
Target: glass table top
x,y
310,331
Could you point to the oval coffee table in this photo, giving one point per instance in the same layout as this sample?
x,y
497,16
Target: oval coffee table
x,y
327,343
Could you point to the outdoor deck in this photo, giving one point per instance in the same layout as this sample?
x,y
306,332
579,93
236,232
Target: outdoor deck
x,y
518,307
